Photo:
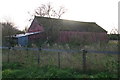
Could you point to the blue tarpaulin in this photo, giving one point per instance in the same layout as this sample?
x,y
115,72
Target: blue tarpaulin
x,y
23,38
23,41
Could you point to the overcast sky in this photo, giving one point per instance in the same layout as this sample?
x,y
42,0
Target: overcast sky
x,y
103,12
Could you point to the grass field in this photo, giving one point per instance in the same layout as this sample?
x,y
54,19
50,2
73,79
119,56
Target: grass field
x,y
104,64
16,70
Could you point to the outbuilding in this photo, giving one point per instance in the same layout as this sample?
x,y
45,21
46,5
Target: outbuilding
x,y
24,39
70,30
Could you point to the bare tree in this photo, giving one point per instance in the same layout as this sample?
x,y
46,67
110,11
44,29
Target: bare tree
x,y
60,12
49,11
114,31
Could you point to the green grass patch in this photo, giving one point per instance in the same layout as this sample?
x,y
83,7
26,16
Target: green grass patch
x,y
16,70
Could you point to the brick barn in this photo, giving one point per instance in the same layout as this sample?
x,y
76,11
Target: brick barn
x,y
69,30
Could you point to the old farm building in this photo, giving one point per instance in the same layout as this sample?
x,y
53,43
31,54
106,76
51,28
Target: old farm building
x,y
68,29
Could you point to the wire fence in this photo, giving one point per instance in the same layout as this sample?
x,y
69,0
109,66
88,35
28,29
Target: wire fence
x,y
58,56
61,50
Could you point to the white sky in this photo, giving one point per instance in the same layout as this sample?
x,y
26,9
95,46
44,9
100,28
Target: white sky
x,y
103,12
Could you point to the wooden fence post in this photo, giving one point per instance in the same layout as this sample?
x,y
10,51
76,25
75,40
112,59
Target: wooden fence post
x,y
39,55
27,51
27,54
8,55
84,60
59,59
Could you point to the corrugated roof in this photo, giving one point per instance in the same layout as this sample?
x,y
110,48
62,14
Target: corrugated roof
x,y
69,25
26,34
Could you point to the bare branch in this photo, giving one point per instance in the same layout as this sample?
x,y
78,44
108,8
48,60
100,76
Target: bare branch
x,y
61,11
48,11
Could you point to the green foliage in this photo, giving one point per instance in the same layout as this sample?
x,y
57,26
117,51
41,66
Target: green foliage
x,y
77,41
48,72
54,72
114,36
8,30
111,65
14,65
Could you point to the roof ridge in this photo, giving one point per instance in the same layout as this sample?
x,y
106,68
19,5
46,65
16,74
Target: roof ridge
x,y
65,19
70,24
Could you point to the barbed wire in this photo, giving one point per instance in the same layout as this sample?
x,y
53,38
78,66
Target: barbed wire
x,y
61,50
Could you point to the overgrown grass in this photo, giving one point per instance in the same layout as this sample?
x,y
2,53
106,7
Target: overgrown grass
x,y
98,65
16,70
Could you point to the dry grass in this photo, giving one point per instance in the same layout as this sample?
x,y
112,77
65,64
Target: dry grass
x,y
72,60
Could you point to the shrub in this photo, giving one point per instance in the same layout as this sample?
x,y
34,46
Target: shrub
x,y
14,65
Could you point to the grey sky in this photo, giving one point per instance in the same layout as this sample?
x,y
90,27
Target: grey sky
x,y
103,12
